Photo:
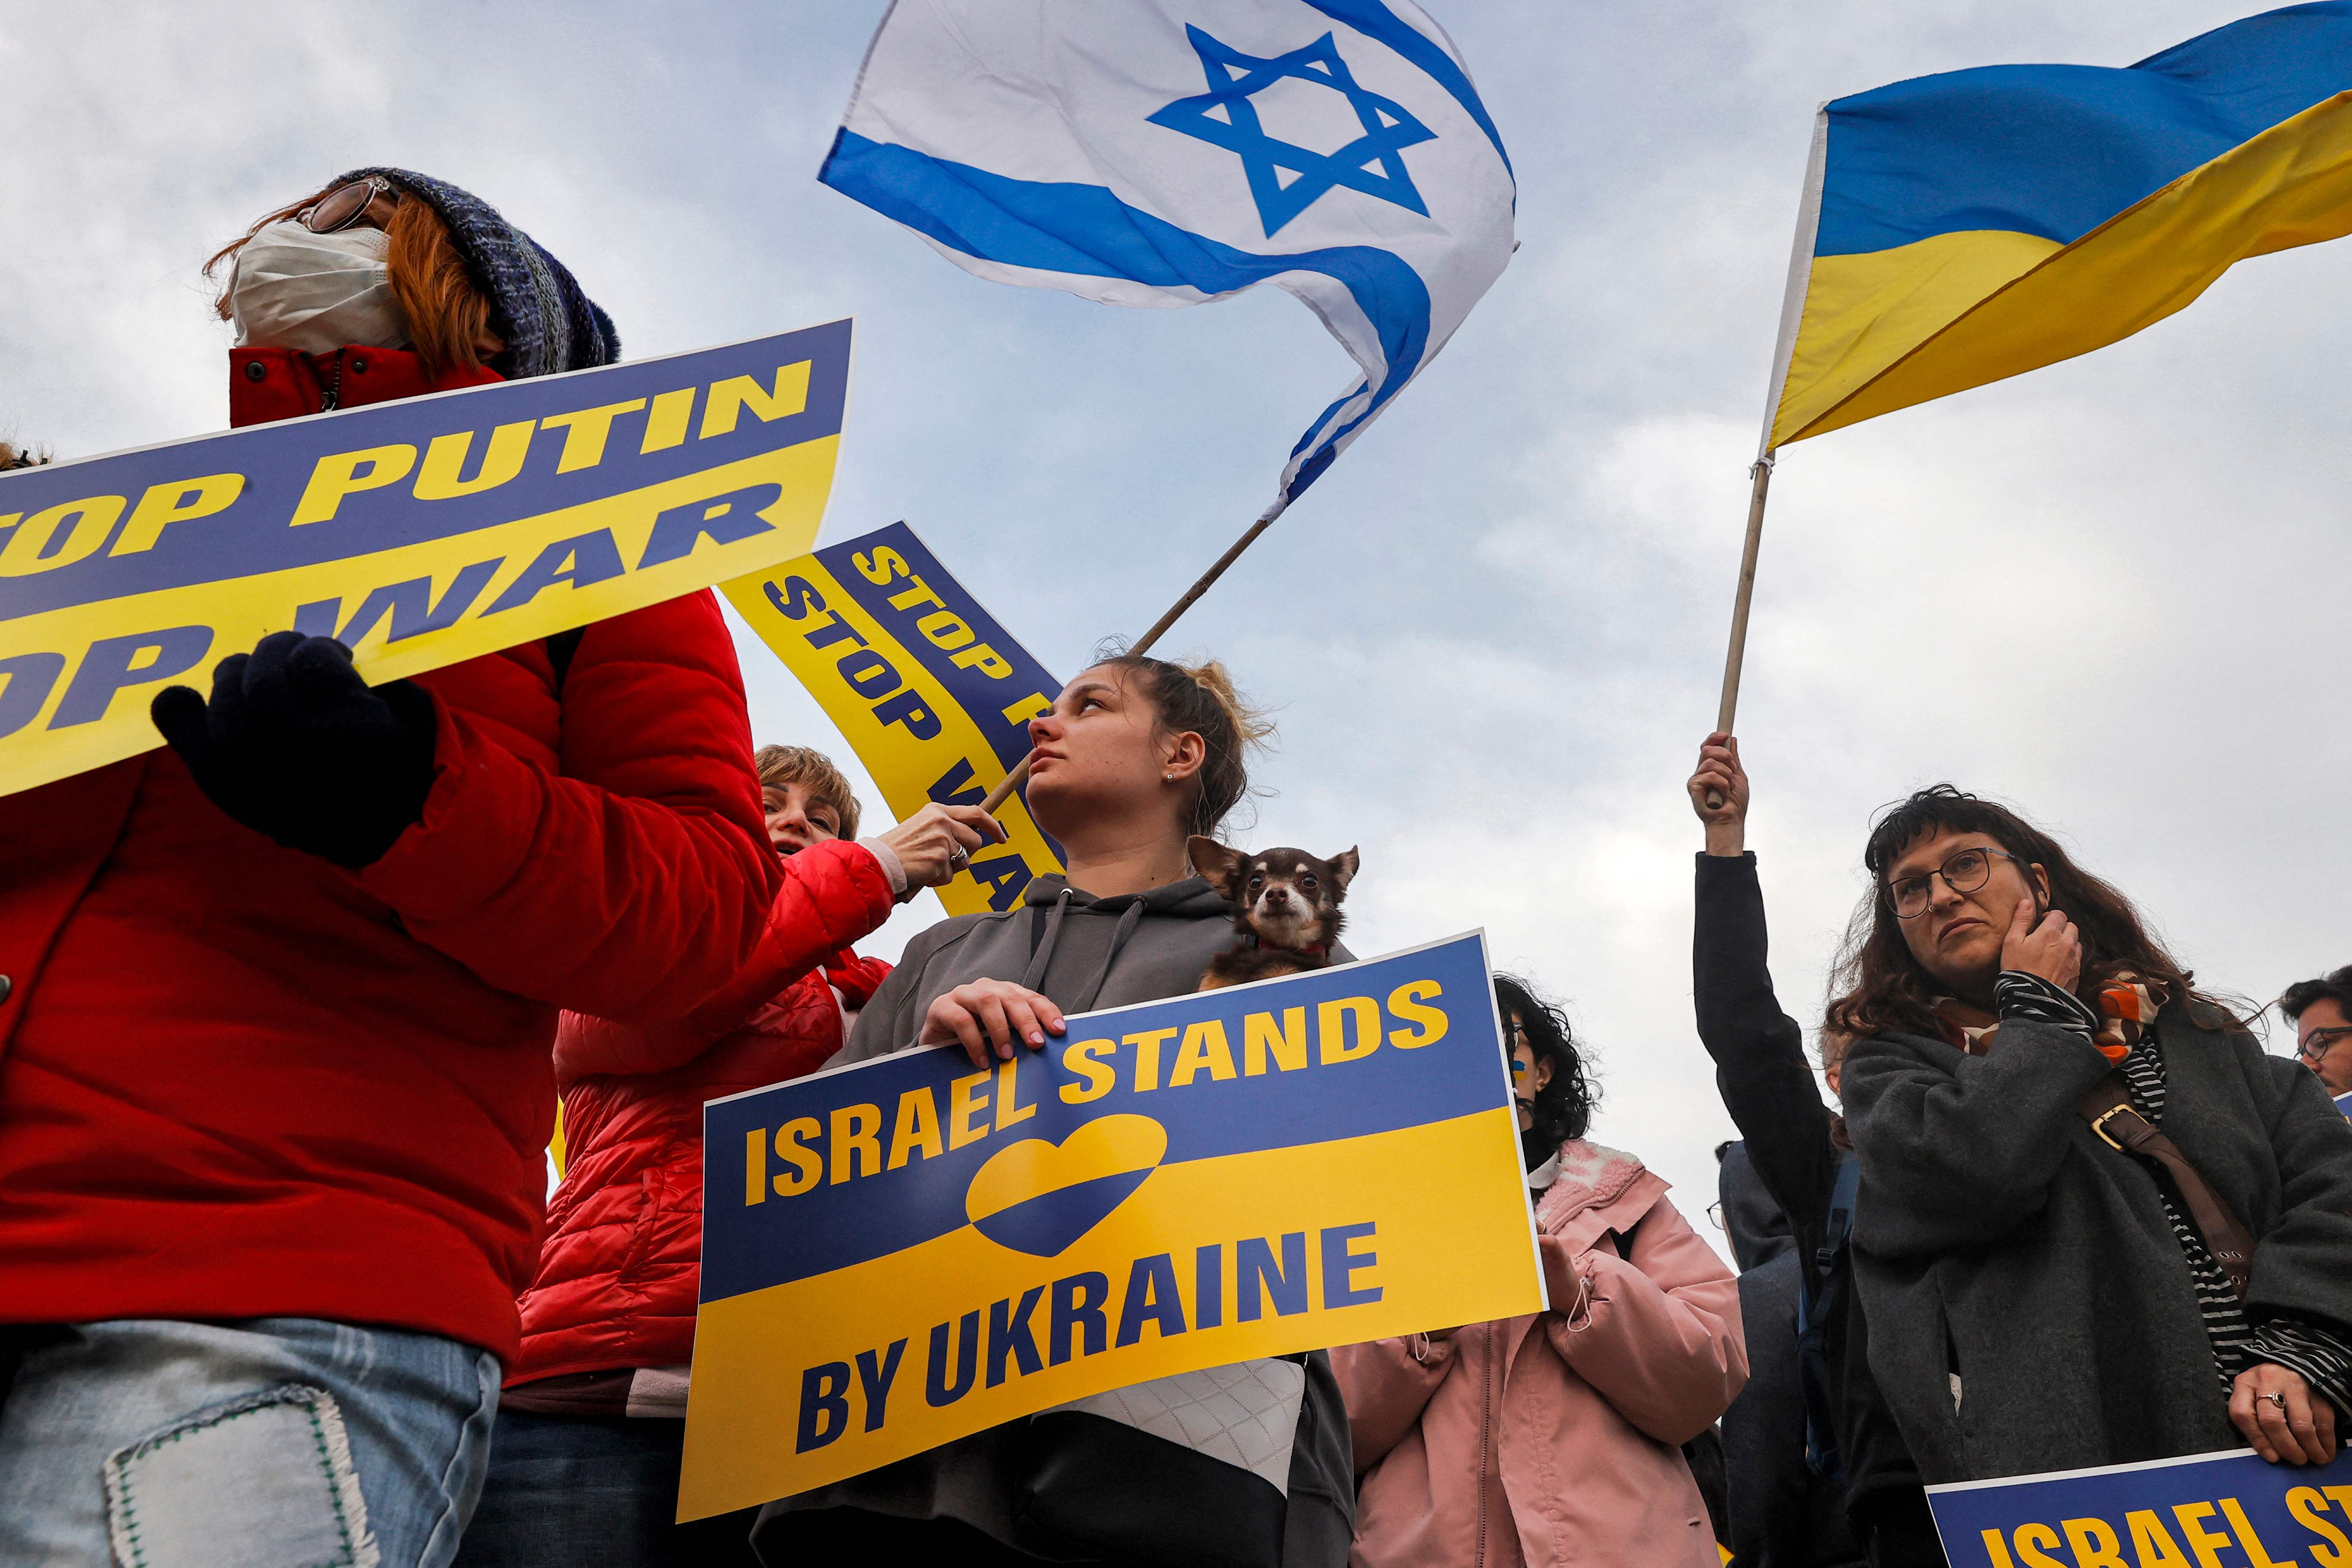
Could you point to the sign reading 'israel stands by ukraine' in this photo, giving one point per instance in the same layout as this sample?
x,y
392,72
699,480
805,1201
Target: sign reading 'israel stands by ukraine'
x,y
904,1251
931,692
420,532
2170,1513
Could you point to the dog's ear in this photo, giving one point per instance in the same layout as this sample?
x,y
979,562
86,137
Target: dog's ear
x,y
1219,865
1343,870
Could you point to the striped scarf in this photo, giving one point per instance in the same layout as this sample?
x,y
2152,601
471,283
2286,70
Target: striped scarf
x,y
2127,1009
2126,1036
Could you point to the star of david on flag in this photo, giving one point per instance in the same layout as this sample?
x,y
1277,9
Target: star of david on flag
x,y
1225,117
1170,153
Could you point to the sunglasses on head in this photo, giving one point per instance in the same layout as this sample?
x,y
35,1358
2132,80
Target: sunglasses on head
x,y
346,204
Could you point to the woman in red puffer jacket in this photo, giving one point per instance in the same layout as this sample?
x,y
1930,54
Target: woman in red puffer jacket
x,y
584,1465
276,1000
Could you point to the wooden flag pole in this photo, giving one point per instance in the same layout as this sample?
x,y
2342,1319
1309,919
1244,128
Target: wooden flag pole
x,y
1012,781
1727,709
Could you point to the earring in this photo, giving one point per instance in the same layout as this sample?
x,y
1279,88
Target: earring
x,y
1167,778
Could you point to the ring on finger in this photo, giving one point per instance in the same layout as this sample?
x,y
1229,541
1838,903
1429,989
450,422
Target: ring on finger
x,y
2276,1398
958,855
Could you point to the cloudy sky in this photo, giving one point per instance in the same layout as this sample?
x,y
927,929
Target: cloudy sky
x,y
2110,592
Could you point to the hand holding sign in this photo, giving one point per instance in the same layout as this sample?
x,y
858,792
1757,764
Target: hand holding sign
x,y
938,842
988,1015
295,745
2274,1408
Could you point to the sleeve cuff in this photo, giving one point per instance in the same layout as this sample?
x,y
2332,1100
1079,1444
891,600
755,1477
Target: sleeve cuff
x,y
2019,994
891,868
2321,1358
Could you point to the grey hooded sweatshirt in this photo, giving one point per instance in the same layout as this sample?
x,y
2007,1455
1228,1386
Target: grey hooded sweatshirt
x,y
1085,952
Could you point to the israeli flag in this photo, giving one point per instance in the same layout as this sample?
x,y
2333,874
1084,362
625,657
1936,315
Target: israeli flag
x,y
1170,151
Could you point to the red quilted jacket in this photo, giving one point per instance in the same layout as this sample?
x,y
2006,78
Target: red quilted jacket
x,y
618,1276
236,1081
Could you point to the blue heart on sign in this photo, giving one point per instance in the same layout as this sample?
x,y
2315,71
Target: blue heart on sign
x,y
1038,1197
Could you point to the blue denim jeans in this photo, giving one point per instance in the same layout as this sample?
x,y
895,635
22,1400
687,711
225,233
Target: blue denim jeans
x,y
268,1442
564,1490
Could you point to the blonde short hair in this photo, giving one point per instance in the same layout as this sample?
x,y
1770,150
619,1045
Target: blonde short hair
x,y
814,772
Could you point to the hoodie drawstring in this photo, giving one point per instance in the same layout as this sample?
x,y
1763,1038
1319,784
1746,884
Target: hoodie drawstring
x,y
1127,921
1041,959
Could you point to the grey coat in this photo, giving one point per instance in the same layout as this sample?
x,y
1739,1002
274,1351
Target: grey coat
x,y
2000,1240
1084,952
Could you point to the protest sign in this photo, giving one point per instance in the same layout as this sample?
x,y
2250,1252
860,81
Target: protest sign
x,y
933,695
420,532
899,1253
2169,1513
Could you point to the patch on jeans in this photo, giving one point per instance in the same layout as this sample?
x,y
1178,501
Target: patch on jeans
x,y
265,1481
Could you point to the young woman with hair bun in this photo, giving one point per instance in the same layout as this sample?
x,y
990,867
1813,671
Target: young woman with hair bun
x,y
1135,755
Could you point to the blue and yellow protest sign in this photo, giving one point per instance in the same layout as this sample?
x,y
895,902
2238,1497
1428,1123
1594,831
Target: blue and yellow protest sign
x,y
2169,1513
933,695
899,1253
420,532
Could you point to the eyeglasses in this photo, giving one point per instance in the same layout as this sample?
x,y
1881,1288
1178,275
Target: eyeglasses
x,y
2320,1042
1963,873
1715,1214
345,205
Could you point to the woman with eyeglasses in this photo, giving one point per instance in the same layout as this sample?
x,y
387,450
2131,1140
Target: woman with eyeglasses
x,y
280,996
1556,1437
2097,1223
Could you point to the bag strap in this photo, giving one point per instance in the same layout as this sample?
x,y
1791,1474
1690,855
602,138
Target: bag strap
x,y
1818,1294
2107,1108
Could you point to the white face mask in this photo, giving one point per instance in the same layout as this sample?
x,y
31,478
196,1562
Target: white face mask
x,y
314,293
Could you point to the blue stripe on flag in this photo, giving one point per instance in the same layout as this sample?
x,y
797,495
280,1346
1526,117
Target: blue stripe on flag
x,y
1375,20
1088,231
2056,151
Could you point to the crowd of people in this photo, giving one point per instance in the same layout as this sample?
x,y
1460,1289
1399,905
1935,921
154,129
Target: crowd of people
x,y
286,1006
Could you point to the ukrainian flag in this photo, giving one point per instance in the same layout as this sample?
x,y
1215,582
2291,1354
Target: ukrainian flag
x,y
1960,228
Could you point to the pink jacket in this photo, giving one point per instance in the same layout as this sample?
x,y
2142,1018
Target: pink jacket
x,y
1557,1438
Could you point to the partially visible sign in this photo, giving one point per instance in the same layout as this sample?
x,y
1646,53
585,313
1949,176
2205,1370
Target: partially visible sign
x,y
904,1251
931,692
420,532
2168,1513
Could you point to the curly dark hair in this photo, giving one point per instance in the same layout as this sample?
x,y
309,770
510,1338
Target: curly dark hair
x,y
2335,987
1563,1107
1880,986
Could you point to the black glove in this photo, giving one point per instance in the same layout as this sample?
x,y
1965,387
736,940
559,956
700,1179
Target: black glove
x,y
295,745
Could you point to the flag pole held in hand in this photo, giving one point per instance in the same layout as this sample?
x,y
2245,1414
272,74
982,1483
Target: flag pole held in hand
x,y
1013,780
1729,707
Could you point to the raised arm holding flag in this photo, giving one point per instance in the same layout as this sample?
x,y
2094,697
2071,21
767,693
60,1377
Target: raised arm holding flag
x,y
1960,228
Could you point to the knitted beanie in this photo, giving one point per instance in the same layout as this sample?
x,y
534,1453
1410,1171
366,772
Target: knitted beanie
x,y
548,324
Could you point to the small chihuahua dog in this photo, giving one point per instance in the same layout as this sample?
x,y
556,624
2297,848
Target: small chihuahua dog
x,y
1285,909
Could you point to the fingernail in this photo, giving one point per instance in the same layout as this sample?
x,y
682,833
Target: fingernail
x,y
1036,1038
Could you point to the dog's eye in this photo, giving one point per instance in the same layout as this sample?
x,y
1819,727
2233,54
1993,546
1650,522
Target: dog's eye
x,y
1256,882
1307,883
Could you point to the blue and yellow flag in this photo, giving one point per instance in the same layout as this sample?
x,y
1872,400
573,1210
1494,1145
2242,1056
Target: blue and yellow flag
x,y
931,692
1959,228
904,1251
